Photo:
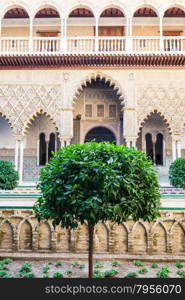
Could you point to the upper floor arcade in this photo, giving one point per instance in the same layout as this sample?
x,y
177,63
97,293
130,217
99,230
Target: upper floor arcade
x,y
54,27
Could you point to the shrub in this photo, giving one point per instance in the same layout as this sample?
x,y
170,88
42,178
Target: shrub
x,y
50,262
177,173
181,273
75,264
58,263
115,263
143,271
8,175
3,267
163,272
131,275
111,273
26,268
69,271
82,266
3,274
98,274
6,261
99,265
26,275
45,275
179,265
58,275
137,263
45,269
154,266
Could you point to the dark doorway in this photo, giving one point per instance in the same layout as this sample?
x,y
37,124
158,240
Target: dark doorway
x,y
42,148
100,134
159,150
149,146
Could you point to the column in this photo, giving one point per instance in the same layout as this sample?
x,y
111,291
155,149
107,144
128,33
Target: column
x,y
16,154
174,156
178,149
63,46
164,152
128,143
161,34
154,158
47,150
38,152
31,36
134,143
97,35
21,161
129,35
62,142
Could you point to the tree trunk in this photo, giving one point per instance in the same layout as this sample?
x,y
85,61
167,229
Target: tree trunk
x,y
91,233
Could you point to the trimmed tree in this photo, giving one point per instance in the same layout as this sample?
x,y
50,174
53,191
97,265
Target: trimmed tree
x,y
97,182
177,173
8,175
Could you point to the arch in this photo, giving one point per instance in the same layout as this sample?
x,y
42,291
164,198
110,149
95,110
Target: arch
x,y
19,4
7,119
145,4
62,239
159,147
42,149
100,134
159,238
149,115
29,121
178,237
88,79
6,235
25,235
44,236
81,239
46,4
119,238
82,4
101,238
175,5
139,238
112,5
149,146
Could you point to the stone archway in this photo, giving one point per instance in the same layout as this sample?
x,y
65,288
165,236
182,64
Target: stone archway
x,y
100,134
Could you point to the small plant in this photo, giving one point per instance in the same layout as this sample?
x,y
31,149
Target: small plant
x,y
111,273
8,175
131,275
3,267
99,265
163,272
69,272
26,268
58,263
143,271
26,275
3,274
137,263
179,265
75,264
50,262
82,266
45,269
98,274
58,275
181,273
154,266
115,264
45,275
6,261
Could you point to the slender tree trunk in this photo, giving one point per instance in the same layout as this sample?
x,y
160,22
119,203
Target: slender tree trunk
x,y
91,233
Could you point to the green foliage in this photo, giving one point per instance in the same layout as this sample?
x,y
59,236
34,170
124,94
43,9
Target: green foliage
x,y
137,263
131,275
6,261
50,262
115,264
8,175
69,271
181,273
177,173
4,274
143,271
154,266
179,265
3,266
58,263
99,265
110,273
26,275
26,268
97,182
75,264
163,272
46,269
58,275
46,275
82,266
98,274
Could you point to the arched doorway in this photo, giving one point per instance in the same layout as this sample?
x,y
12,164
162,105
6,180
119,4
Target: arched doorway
x,y
100,134
159,149
149,146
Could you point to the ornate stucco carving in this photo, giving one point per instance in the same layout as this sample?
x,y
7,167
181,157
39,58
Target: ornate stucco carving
x,y
168,101
20,103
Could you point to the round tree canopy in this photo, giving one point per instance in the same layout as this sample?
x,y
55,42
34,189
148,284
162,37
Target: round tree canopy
x,y
97,182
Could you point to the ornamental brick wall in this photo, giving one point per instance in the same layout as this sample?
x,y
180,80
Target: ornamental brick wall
x,y
20,231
